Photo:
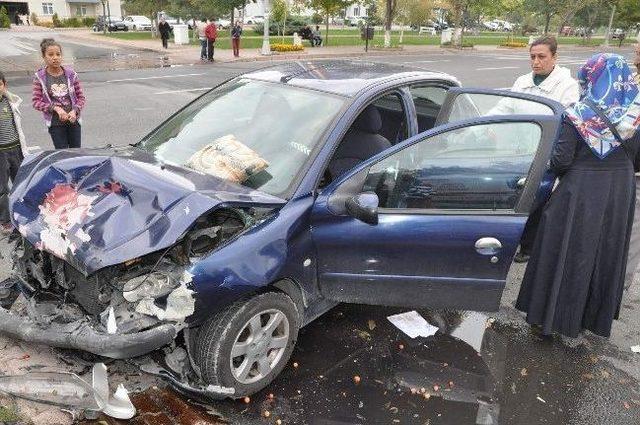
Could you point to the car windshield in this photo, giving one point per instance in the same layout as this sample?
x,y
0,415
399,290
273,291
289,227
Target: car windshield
x,y
254,133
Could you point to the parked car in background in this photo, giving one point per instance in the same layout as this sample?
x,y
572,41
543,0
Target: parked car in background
x,y
566,30
490,25
223,23
583,32
356,21
257,19
138,23
115,24
267,201
618,33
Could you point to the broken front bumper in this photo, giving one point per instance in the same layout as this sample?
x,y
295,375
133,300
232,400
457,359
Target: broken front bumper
x,y
81,336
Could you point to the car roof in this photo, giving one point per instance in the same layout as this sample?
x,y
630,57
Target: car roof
x,y
343,77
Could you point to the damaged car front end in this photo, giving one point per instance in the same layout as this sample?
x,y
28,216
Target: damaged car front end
x,y
104,263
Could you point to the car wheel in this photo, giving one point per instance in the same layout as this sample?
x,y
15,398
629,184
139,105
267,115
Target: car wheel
x,y
248,344
125,28
135,28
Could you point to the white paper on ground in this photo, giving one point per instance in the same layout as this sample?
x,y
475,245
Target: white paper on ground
x,y
412,324
635,348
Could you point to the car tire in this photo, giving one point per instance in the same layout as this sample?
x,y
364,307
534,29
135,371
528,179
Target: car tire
x,y
135,28
241,327
126,28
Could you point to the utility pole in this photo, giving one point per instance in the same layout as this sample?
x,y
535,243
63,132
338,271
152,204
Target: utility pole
x,y
266,46
608,34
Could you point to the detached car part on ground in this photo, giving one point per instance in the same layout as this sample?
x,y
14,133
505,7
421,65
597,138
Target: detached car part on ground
x,y
262,204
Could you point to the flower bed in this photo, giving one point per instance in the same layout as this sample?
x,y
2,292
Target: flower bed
x,y
513,44
278,47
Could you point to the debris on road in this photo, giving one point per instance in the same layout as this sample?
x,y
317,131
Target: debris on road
x,y
635,348
413,324
69,391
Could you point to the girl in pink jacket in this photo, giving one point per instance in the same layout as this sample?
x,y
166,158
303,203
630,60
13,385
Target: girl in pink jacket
x,y
58,95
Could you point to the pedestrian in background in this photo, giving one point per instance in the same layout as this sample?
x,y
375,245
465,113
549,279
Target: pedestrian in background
x,y
236,32
12,148
200,28
317,36
165,30
546,79
575,277
633,259
57,93
211,32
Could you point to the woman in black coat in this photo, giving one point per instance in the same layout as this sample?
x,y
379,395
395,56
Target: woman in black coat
x,y
575,277
164,29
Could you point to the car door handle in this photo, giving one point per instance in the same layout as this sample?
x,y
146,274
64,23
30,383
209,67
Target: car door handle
x,y
488,246
521,182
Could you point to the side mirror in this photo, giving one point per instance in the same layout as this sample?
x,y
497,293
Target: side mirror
x,y
364,207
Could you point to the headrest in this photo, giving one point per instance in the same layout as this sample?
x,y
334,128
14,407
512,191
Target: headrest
x,y
369,120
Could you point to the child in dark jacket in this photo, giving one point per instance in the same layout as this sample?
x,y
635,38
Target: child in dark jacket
x,y
58,95
12,148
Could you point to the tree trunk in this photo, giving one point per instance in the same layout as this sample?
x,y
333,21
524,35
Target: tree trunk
x,y
388,19
326,29
284,25
547,21
401,35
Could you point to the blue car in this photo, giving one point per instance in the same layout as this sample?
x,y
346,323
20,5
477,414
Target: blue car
x,y
268,200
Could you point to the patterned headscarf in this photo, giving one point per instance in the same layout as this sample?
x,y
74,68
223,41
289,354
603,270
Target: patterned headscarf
x,y
608,82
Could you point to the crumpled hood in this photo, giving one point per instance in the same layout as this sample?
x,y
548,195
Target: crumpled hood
x,y
99,207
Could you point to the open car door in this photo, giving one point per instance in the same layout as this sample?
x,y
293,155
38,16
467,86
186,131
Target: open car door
x,y
435,220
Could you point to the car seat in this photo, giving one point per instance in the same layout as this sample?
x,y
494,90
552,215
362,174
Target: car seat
x,y
361,142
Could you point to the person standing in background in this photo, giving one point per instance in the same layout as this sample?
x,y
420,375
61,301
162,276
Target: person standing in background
x,y
211,32
200,28
165,30
236,32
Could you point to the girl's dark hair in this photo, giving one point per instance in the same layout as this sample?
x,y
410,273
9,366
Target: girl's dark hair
x,y
48,42
2,78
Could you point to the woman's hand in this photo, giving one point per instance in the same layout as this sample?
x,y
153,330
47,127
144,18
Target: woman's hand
x,y
72,116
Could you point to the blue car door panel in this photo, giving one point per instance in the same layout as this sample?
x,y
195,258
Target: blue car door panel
x,y
452,205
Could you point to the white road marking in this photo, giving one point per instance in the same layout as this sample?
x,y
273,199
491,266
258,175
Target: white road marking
x,y
153,78
184,91
496,68
433,61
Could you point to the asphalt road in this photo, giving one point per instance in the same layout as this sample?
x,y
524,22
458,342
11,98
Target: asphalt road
x,y
485,372
123,105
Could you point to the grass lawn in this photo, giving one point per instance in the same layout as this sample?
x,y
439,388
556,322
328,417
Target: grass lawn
x,y
351,37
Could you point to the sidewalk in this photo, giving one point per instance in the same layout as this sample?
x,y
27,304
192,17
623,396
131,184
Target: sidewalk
x,y
190,54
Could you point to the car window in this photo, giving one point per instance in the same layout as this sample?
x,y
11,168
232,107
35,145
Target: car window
x,y
476,167
255,133
472,105
427,100
394,118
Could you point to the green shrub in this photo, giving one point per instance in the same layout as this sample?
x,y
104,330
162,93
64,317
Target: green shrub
x,y
5,22
56,21
317,19
34,19
294,24
72,23
88,21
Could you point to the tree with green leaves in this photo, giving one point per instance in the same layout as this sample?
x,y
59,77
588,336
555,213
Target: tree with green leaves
x,y
627,13
328,8
279,12
5,22
409,12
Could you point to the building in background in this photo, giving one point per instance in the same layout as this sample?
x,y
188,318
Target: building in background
x,y
44,9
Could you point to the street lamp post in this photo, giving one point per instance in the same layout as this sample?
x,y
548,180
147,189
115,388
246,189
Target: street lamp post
x,y
266,46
